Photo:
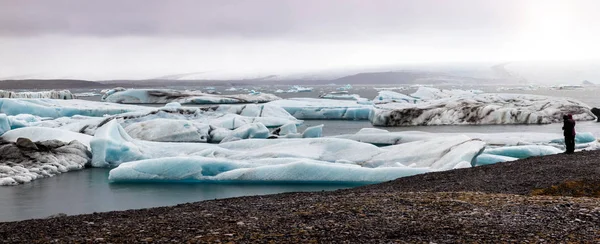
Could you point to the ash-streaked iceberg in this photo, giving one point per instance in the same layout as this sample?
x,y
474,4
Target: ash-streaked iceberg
x,y
311,108
133,96
24,160
481,109
63,95
46,134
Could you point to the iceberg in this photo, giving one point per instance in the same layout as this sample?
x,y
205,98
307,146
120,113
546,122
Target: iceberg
x,y
24,160
87,94
387,96
480,109
313,132
487,159
202,169
113,146
295,89
248,131
311,108
169,130
55,108
120,95
64,94
287,129
4,124
383,137
318,161
523,151
226,116
430,93
46,134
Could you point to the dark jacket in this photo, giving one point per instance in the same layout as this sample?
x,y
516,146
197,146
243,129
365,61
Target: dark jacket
x,y
568,126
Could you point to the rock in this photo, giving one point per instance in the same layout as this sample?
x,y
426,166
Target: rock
x,y
26,143
596,112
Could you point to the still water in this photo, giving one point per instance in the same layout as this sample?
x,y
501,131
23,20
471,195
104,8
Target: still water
x,y
88,191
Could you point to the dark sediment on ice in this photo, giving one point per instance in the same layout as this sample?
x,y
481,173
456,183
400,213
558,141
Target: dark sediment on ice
x,y
484,204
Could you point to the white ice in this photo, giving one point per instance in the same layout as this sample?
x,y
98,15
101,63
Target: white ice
x,y
486,108
132,96
430,93
112,146
311,108
387,96
44,134
64,94
486,159
21,166
384,137
523,151
169,130
55,108
203,169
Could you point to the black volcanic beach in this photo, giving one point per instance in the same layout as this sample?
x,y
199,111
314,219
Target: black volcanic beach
x,y
529,200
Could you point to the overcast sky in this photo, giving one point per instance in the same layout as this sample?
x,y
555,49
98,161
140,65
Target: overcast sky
x,y
140,39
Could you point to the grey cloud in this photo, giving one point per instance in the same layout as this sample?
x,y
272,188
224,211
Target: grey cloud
x,y
197,18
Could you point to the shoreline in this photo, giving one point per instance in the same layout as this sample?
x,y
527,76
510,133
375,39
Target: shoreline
x,y
484,203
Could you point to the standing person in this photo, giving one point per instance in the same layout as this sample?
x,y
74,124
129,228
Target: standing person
x,y
569,133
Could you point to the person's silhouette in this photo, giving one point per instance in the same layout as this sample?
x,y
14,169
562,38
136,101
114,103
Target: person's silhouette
x,y
569,133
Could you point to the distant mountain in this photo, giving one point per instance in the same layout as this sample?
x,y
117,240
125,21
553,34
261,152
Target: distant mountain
x,y
413,77
587,83
49,84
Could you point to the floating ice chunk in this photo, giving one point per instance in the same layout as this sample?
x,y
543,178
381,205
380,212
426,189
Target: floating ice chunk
x,y
289,128
313,132
55,108
390,96
112,146
167,95
254,130
430,93
173,105
342,96
486,159
201,169
310,108
26,160
296,88
524,151
169,130
4,124
481,109
383,137
45,134
371,130
580,137
441,153
87,94
64,94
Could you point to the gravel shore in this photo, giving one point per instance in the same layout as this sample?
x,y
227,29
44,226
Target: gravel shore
x,y
485,204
